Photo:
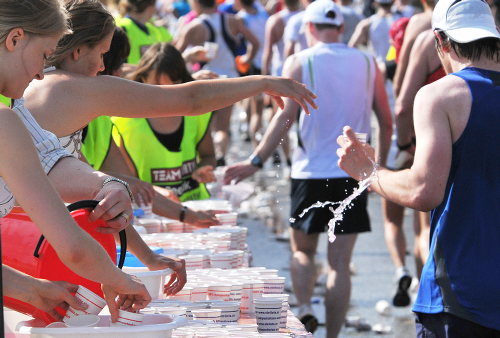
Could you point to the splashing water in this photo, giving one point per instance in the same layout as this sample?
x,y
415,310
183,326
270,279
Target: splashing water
x,y
338,212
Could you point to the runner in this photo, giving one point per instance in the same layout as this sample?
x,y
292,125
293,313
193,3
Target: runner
x,y
455,173
315,174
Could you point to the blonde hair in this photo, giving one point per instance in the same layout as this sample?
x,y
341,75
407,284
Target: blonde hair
x,y
90,23
37,17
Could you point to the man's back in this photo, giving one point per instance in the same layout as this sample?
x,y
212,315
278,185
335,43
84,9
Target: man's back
x,y
465,232
343,78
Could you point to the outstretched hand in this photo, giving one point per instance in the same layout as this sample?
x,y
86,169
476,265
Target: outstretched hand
x,y
239,171
178,278
355,158
282,87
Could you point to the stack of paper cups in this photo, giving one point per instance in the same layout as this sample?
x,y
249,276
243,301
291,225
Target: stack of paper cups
x,y
268,314
284,308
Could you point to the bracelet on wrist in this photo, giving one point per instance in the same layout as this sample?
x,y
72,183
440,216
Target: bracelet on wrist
x,y
125,184
405,146
182,214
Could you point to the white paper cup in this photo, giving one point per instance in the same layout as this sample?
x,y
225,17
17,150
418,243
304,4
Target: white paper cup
x,y
219,292
230,311
183,295
362,137
199,293
173,310
94,302
126,318
211,49
273,284
268,314
82,320
222,260
228,218
206,314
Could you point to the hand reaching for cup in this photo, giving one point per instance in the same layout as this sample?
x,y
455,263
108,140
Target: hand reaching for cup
x,y
204,174
130,295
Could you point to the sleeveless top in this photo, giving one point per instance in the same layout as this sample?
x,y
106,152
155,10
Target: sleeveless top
x,y
139,39
379,34
256,23
156,164
462,274
278,58
46,143
97,140
293,32
345,97
223,61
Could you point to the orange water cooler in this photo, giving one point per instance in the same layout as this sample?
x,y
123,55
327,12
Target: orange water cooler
x,y
25,249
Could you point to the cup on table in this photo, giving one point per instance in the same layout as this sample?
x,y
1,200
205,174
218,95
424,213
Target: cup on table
x,y
268,314
284,309
126,318
211,49
219,292
94,302
230,311
206,314
228,218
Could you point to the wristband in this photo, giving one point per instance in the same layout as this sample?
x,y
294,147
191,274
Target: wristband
x,y
125,184
406,146
182,213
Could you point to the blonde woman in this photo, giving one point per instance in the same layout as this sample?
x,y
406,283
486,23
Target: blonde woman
x,y
29,32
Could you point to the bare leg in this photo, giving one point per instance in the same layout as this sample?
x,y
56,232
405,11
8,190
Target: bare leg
x,y
220,127
393,232
302,267
338,285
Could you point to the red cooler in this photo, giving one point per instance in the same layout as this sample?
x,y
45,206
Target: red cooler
x,y
25,249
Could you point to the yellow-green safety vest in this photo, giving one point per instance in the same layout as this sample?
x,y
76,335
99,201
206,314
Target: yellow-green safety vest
x,y
155,164
140,40
95,145
5,100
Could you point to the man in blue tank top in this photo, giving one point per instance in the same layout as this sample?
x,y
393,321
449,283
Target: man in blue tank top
x,y
455,174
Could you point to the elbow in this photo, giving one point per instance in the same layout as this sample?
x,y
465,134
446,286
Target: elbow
x,y
424,199
73,257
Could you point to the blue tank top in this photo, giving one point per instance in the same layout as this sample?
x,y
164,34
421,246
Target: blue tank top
x,y
462,273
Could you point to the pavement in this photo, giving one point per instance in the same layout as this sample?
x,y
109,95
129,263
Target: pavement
x,y
373,273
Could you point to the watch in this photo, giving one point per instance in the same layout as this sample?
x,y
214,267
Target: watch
x,y
256,161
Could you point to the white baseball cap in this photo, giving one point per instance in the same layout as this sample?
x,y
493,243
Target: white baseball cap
x,y
464,20
323,11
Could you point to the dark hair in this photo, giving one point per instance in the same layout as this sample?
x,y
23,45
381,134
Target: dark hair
x,y
292,3
162,58
206,3
247,3
118,52
473,51
321,26
136,6
90,23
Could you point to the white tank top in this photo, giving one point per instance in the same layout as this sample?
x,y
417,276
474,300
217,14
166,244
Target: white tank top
x,y
343,78
379,34
256,23
279,47
293,32
223,62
